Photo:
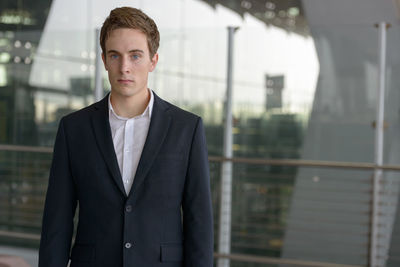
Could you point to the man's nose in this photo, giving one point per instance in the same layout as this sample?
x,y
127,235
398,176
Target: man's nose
x,y
125,65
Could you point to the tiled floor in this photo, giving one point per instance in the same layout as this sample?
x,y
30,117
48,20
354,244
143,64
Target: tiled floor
x,y
29,255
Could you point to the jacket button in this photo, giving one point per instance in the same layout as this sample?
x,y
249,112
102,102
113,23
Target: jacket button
x,y
128,245
128,208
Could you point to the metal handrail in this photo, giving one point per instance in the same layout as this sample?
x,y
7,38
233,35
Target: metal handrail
x,y
18,148
255,161
307,163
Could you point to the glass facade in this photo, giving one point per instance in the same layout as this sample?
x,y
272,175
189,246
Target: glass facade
x,y
304,90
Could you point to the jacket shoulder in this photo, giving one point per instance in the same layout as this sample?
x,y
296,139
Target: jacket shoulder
x,y
180,114
82,114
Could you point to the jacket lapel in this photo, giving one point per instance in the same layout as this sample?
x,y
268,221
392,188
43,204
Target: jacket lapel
x,y
102,132
158,129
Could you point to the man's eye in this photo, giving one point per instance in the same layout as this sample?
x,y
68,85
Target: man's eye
x,y
114,56
135,56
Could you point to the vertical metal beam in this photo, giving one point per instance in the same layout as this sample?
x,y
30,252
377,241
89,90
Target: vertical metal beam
x,y
98,89
379,135
224,238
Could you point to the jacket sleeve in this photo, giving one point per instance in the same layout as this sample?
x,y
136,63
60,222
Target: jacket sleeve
x,y
59,209
196,205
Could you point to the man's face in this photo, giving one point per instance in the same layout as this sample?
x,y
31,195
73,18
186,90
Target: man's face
x,y
127,61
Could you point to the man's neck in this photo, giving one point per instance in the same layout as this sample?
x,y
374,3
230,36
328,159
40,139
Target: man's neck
x,y
132,106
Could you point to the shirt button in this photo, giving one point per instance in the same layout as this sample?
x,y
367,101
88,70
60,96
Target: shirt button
x,y
128,208
128,245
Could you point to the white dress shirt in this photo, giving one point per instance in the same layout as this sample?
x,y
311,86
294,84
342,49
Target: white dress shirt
x,y
129,136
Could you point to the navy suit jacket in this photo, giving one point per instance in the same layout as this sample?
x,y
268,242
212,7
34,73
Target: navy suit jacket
x,y
166,220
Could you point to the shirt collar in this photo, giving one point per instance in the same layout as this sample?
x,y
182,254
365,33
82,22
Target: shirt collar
x,y
147,112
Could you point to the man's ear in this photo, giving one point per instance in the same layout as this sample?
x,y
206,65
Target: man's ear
x,y
103,57
154,61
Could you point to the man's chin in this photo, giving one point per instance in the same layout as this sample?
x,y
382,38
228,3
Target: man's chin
x,y
125,92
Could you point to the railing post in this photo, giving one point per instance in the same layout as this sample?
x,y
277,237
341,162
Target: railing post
x,y
224,238
379,136
98,89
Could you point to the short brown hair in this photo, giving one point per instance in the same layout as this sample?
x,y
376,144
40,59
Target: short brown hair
x,y
133,18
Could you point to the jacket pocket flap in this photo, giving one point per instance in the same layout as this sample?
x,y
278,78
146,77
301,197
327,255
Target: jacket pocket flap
x,y
82,252
171,252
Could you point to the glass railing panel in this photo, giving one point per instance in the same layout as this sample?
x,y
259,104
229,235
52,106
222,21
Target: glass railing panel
x,y
23,185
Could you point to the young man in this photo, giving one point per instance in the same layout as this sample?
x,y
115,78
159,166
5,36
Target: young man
x,y
136,165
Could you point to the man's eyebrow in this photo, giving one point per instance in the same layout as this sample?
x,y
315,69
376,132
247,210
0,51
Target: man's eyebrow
x,y
136,50
130,51
113,51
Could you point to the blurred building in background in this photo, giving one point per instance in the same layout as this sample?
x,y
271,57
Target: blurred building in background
x,y
305,92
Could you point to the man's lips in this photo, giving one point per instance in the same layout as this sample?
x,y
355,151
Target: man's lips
x,y
125,81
